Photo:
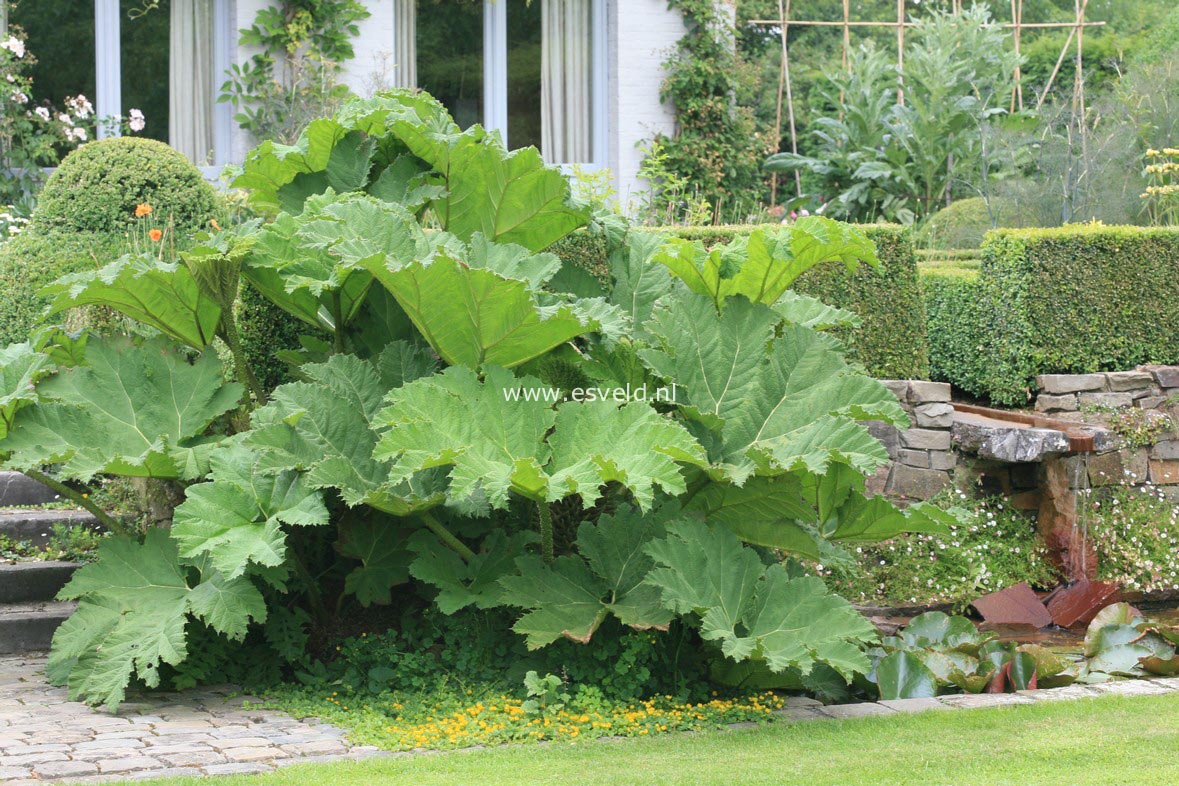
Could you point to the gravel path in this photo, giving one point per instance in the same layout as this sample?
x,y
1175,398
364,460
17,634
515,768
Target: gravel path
x,y
45,737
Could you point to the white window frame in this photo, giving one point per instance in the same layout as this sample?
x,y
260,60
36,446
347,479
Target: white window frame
x,y
108,76
495,76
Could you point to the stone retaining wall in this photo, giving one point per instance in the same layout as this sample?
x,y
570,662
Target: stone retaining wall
x,y
1147,387
923,458
1098,397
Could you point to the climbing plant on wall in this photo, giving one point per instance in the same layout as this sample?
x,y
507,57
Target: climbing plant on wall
x,y
716,145
293,78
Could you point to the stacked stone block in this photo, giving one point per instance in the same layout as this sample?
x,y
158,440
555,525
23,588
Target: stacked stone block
x,y
1147,387
922,455
1153,388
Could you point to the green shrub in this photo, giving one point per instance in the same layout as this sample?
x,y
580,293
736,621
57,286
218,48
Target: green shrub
x,y
1073,299
265,331
32,260
950,314
96,188
963,224
890,343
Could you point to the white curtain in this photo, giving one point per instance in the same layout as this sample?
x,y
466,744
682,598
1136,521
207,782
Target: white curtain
x,y
405,50
191,88
565,81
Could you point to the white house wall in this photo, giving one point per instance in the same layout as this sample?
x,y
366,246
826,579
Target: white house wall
x,y
640,35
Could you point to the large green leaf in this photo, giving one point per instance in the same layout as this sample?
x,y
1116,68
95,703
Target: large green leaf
x,y
495,434
870,519
903,675
327,155
764,511
638,281
763,264
461,583
135,408
21,368
573,596
472,182
778,404
717,361
511,197
162,295
134,603
297,261
813,313
236,519
474,316
325,425
383,556
753,611
598,442
491,432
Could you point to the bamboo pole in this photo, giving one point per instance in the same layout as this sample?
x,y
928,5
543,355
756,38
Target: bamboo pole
x,y
1079,81
778,113
900,51
837,23
1017,86
1078,24
846,31
784,9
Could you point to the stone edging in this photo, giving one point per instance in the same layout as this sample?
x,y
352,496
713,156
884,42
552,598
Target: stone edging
x,y
802,709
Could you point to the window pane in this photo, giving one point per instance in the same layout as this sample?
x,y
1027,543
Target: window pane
x,y
61,37
523,73
450,55
144,45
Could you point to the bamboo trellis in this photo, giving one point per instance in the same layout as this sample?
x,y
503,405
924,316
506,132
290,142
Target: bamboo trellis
x,y
785,99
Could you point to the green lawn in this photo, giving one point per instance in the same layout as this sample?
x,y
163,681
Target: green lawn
x,y
1106,741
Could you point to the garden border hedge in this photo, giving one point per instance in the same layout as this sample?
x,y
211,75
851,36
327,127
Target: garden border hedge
x,y
1065,300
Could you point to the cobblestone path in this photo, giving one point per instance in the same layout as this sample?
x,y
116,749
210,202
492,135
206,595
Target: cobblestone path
x,y
45,737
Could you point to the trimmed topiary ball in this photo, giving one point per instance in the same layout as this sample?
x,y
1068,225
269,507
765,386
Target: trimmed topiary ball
x,y
96,188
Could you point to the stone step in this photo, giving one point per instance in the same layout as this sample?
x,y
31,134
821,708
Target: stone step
x,y
17,490
33,582
36,526
29,627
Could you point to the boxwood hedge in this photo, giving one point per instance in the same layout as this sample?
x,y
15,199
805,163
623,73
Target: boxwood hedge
x,y
35,259
1073,299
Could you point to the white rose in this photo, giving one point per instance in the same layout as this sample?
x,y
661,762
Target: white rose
x,y
14,45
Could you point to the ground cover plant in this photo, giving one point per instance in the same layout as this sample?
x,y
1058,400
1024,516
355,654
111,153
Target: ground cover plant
x,y
990,547
435,445
1135,528
63,542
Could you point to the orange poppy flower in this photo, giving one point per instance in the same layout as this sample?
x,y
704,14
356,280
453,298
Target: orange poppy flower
x,y
155,235
142,209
